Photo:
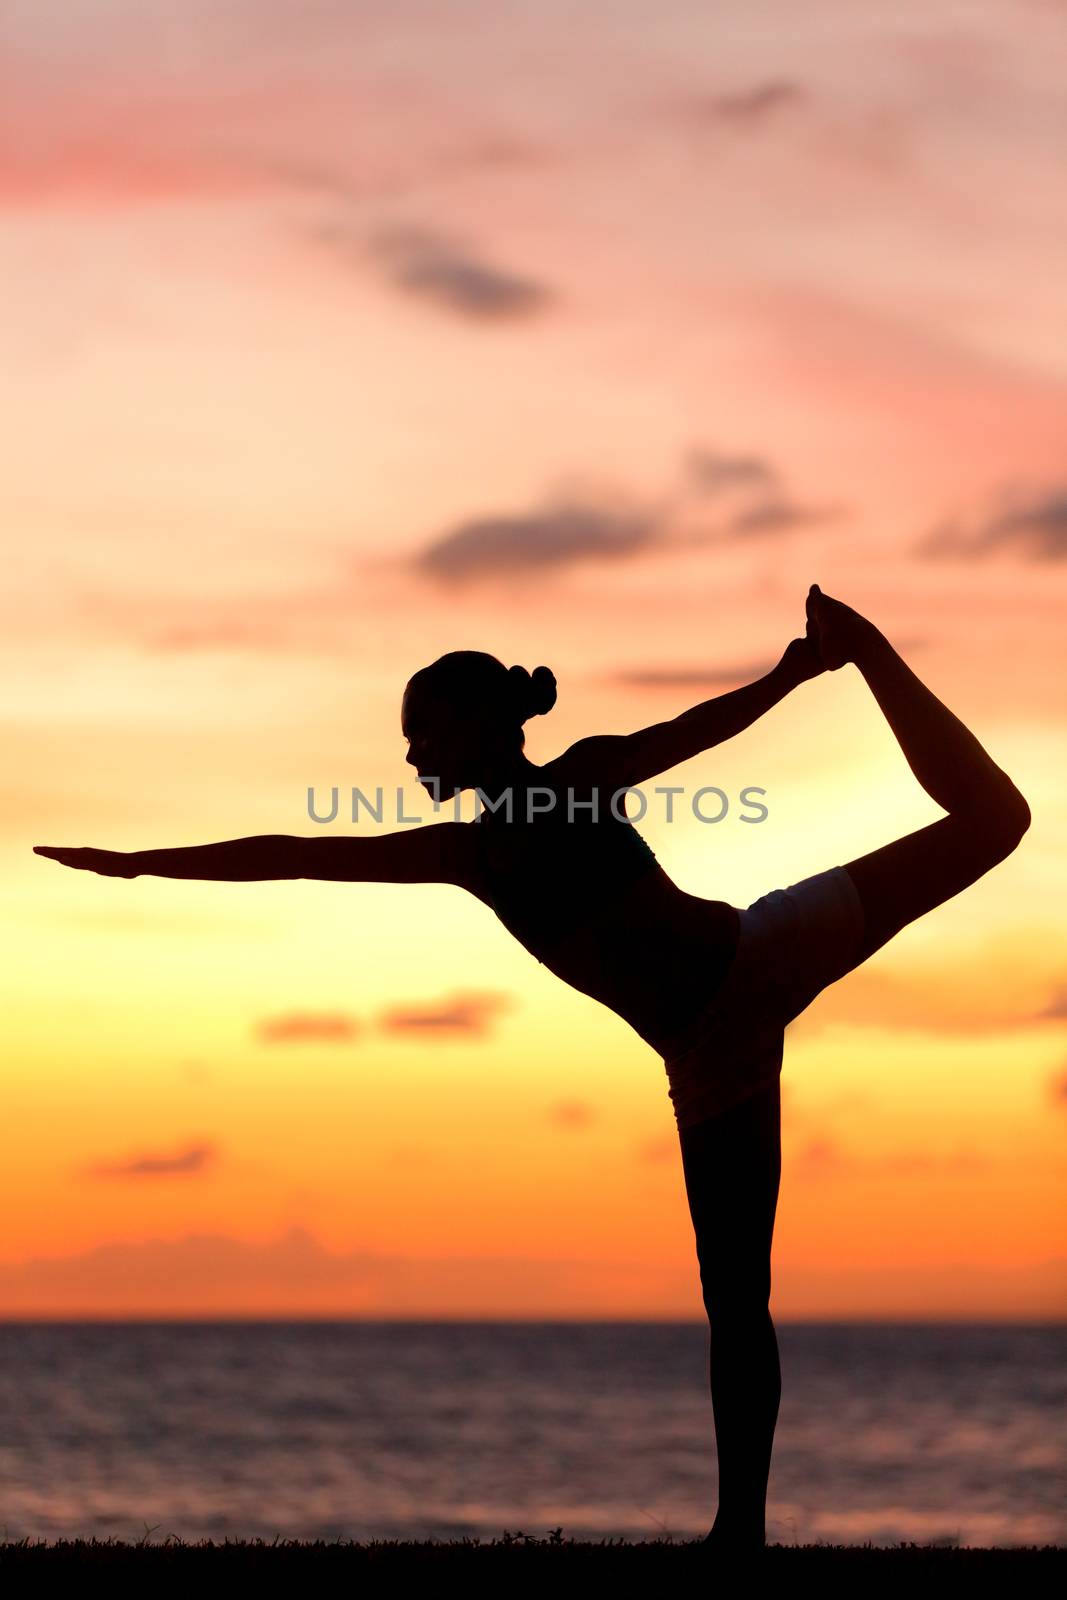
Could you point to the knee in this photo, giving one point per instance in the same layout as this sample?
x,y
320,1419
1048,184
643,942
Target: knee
x,y
995,826
1020,816
1007,822
737,1303
740,1328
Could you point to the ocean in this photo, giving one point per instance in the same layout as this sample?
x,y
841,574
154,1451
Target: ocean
x,y
951,1433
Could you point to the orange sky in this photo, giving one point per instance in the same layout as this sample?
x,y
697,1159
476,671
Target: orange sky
x,y
340,337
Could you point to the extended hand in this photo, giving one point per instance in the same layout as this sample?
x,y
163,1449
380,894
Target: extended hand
x,y
109,863
801,659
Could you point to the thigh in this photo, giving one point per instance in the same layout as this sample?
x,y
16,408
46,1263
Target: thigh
x,y
909,877
732,1165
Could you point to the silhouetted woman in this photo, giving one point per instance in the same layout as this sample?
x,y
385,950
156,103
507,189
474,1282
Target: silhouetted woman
x,y
708,986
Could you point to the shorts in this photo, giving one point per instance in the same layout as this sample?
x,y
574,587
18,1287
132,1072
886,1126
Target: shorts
x,y
793,943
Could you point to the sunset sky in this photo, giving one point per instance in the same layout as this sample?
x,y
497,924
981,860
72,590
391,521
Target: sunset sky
x,y
339,335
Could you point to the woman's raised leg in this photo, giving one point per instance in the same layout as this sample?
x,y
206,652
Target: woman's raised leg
x,y
987,815
732,1166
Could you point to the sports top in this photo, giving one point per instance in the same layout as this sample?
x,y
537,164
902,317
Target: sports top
x,y
547,876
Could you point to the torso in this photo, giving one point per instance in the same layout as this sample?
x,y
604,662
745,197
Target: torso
x,y
657,958
654,956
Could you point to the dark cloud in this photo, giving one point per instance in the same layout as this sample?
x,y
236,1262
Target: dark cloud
x,y
743,109
463,1013
779,516
766,506
1035,528
755,104
569,527
570,530
443,270
298,1026
536,541
572,1114
689,677
194,1159
712,472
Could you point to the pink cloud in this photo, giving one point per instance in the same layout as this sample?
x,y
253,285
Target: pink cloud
x,y
205,1274
461,1013
822,1156
660,1151
572,1114
330,1027
295,1274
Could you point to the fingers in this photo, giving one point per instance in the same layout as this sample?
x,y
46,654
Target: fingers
x,y
64,854
108,863
803,659
67,855
811,637
810,644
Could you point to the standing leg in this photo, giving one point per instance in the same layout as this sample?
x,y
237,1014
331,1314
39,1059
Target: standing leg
x,y
732,1166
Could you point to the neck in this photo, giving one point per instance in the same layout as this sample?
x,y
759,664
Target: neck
x,y
513,772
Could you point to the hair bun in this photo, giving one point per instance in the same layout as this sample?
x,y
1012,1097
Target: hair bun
x,y
535,692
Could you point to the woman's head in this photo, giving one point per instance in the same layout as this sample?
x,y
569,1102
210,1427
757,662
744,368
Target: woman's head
x,y
463,716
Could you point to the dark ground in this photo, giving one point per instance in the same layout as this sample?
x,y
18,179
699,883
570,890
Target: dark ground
x,y
518,1559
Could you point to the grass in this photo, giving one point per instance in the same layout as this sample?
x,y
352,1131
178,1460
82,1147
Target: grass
x,y
519,1557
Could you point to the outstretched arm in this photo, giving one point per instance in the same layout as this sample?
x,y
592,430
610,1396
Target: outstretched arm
x,y
266,855
430,853
633,758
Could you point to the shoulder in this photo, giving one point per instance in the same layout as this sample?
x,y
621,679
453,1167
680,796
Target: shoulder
x,y
441,851
601,760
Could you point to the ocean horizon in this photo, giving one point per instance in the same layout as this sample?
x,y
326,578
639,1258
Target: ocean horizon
x,y
324,1428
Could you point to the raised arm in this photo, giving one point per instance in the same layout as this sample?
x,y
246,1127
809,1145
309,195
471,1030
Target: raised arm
x,y
633,758
429,853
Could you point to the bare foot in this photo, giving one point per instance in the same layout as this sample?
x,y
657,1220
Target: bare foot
x,y
736,1543
841,634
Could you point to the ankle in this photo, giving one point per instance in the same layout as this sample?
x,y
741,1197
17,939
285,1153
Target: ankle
x,y
737,1532
870,645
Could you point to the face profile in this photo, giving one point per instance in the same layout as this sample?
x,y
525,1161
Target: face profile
x,y
463,719
447,750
